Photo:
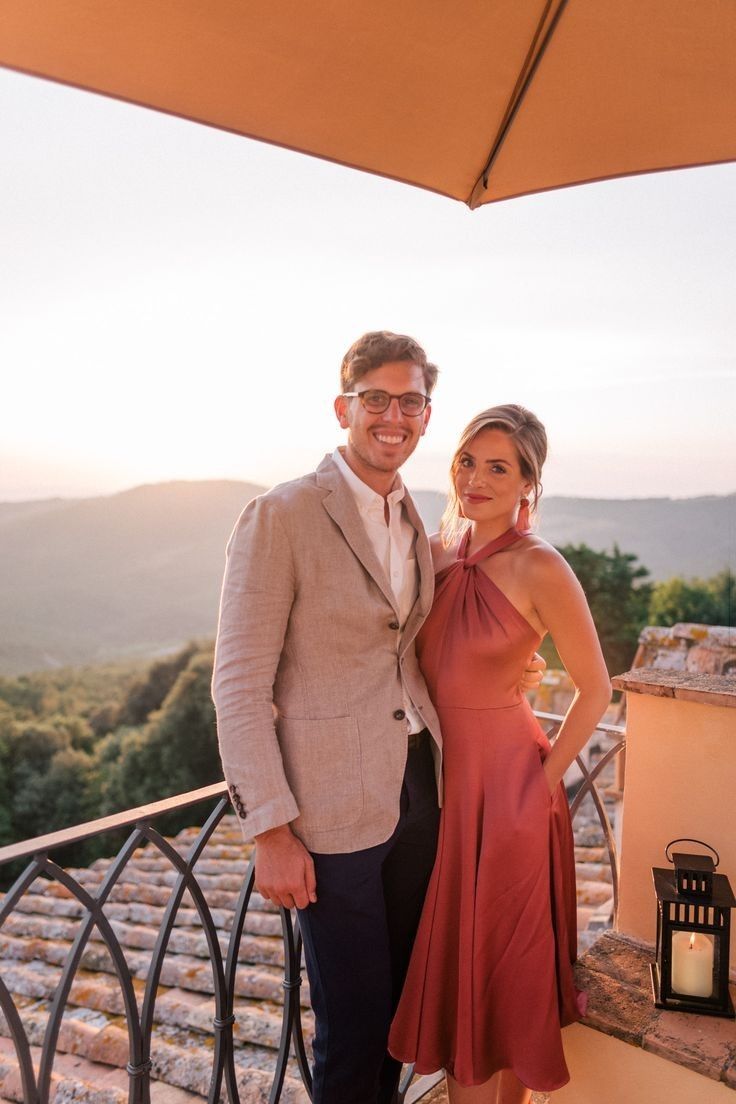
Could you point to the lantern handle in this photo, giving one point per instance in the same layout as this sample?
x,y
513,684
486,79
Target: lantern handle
x,y
687,839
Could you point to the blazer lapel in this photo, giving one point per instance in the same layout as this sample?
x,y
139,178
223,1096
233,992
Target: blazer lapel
x,y
340,505
423,604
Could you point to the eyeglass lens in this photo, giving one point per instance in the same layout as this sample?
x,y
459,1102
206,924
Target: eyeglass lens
x,y
376,402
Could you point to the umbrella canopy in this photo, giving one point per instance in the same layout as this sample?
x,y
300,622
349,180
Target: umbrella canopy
x,y
479,100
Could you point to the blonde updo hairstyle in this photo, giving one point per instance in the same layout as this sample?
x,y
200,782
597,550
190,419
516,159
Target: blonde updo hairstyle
x,y
530,440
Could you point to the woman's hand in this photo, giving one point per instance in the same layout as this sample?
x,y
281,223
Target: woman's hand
x,y
533,675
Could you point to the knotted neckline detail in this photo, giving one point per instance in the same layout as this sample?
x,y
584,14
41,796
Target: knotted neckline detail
x,y
497,545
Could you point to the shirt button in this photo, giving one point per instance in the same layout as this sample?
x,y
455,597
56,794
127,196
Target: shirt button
x,y
393,625
399,714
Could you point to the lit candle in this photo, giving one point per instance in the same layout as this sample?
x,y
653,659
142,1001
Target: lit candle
x,y
692,964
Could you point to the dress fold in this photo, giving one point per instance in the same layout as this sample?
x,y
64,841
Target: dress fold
x,y
490,983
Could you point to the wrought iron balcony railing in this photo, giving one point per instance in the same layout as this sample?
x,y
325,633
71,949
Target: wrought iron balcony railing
x,y
89,903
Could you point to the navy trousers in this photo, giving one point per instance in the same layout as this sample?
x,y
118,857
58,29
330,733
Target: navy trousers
x,y
357,942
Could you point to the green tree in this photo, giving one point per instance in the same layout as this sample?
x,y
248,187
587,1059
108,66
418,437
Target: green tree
x,y
723,586
185,729
104,719
23,694
68,756
127,769
6,735
148,694
618,594
68,789
32,748
108,753
73,729
174,752
701,601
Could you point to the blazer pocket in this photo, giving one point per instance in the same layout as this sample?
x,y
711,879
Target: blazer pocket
x,y
323,767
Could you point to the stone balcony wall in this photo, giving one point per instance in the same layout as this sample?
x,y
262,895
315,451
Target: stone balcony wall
x,y
680,782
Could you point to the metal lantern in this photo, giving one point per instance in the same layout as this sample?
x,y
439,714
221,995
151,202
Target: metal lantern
x,y
693,934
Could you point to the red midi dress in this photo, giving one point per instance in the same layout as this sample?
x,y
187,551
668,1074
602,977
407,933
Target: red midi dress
x,y
490,982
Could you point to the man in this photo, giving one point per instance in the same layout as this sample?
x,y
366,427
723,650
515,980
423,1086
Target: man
x,y
330,745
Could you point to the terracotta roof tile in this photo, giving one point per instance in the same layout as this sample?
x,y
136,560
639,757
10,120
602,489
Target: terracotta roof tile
x,y
36,940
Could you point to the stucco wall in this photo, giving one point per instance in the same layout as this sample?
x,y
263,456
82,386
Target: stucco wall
x,y
605,1070
680,781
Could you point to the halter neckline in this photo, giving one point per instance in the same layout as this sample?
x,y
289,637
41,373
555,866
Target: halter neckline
x,y
496,545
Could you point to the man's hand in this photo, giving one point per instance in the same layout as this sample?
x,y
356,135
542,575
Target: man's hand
x,y
533,674
284,869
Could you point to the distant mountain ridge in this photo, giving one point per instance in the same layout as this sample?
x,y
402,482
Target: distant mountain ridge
x,y
670,536
139,572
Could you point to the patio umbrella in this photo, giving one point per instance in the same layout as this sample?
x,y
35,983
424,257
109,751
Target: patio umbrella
x,y
479,100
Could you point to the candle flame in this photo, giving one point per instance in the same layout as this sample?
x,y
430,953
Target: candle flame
x,y
692,941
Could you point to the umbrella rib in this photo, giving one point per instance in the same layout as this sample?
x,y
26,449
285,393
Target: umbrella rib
x,y
528,71
525,68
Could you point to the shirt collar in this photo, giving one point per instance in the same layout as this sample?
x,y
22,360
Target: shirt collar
x,y
365,497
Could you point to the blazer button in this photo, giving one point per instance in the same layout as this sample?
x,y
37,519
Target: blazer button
x,y
394,625
399,714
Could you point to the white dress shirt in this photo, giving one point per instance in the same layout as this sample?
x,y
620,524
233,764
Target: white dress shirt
x,y
394,545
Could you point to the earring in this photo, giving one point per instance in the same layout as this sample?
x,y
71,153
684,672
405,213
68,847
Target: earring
x,y
522,518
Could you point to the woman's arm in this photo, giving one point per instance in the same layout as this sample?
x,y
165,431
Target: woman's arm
x,y
562,608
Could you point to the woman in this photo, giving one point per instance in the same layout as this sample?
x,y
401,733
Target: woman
x,y
490,981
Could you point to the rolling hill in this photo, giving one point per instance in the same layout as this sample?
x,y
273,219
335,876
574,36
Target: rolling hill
x,y
138,573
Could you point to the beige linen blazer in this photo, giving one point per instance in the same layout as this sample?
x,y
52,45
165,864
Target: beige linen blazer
x,y
310,667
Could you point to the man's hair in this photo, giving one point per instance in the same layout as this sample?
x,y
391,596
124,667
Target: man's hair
x,y
380,347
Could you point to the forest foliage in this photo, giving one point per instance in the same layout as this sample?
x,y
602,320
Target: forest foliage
x,y
702,601
78,744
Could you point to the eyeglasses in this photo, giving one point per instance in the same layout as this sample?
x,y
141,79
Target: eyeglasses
x,y
411,403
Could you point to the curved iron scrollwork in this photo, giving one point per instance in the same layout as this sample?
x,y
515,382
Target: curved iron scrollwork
x,y
588,787
140,1064
186,890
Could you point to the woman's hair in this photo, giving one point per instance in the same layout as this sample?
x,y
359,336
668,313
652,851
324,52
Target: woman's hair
x,y
530,440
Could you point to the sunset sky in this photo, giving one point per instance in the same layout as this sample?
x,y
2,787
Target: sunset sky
x,y
175,302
